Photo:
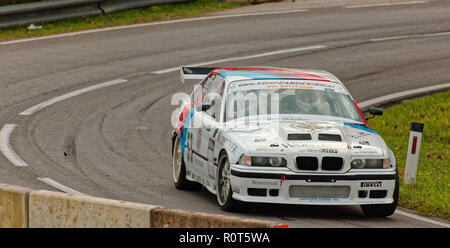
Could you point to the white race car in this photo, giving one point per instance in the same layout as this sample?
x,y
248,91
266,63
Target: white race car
x,y
280,135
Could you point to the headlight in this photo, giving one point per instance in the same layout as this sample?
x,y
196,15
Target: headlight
x,y
262,161
370,163
276,161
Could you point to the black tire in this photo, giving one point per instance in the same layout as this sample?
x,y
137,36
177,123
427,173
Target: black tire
x,y
179,179
226,201
383,210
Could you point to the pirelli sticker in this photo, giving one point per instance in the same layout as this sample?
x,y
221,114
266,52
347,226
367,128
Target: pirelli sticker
x,y
371,184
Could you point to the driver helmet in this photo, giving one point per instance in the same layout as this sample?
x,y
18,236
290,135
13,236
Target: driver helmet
x,y
307,96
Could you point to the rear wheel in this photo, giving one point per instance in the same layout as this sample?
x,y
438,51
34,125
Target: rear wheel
x,y
179,169
224,192
383,210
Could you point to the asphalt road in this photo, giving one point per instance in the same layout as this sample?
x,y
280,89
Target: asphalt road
x,y
114,142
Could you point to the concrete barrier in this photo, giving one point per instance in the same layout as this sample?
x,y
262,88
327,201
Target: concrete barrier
x,y
168,218
53,209
13,206
21,207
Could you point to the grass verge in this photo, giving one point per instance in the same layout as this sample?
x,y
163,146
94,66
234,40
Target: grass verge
x,y
153,13
430,195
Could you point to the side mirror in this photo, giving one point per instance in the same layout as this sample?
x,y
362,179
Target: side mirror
x,y
208,106
376,111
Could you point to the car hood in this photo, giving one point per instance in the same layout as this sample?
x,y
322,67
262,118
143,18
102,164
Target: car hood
x,y
307,137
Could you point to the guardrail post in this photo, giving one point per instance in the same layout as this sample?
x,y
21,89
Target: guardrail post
x,y
412,157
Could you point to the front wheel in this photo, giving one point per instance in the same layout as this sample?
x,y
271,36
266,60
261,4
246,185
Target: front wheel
x,y
224,192
383,210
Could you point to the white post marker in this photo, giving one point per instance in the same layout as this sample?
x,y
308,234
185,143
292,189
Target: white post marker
x,y
412,157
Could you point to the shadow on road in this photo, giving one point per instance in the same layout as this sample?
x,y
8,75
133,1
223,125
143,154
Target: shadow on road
x,y
294,213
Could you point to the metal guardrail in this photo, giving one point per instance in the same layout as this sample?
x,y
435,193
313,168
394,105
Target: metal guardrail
x,y
109,6
55,10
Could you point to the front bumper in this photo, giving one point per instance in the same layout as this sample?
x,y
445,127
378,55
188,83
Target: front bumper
x,y
283,186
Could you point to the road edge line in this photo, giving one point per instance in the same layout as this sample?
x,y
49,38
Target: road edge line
x,y
51,101
5,146
398,96
422,218
154,23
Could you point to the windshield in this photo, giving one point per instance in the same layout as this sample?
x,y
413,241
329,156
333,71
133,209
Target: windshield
x,y
288,97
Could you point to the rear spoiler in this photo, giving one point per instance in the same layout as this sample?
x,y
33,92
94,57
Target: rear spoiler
x,y
195,72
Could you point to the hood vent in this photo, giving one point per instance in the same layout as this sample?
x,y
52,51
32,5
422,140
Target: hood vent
x,y
299,136
330,137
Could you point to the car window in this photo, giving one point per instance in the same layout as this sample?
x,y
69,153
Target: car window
x,y
214,96
272,97
201,90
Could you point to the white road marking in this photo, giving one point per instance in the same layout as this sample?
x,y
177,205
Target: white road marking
x,y
394,38
292,50
6,148
402,94
436,34
49,102
399,37
204,18
383,4
423,219
59,186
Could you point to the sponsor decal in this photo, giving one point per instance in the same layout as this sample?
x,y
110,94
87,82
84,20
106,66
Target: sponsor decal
x,y
327,150
189,147
310,150
211,145
266,149
371,184
215,132
368,151
309,145
312,126
267,183
285,84
320,199
199,139
231,147
358,135
288,145
199,178
302,126
227,144
235,189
